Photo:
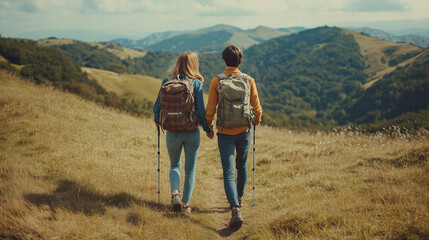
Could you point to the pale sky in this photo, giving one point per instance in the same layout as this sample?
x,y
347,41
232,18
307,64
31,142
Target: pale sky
x,y
137,18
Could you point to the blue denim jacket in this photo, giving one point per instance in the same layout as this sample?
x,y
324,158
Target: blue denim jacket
x,y
199,103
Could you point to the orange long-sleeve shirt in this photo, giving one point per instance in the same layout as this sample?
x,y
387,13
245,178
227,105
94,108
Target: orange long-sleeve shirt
x,y
212,103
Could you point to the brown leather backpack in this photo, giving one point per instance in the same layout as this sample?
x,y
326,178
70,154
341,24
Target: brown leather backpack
x,y
177,105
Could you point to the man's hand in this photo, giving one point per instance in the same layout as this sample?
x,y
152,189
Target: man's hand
x,y
210,134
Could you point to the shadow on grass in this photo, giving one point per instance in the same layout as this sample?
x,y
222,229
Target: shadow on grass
x,y
211,210
225,232
83,199
77,198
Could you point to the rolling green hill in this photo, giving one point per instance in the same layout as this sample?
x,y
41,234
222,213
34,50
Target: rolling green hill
x,y
117,50
403,90
112,57
126,84
382,57
305,79
304,76
46,66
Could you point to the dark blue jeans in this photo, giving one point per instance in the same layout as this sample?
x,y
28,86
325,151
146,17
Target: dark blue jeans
x,y
227,145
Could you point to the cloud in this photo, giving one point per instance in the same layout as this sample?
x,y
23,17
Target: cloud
x,y
144,16
316,5
23,5
38,6
123,6
375,6
240,7
188,8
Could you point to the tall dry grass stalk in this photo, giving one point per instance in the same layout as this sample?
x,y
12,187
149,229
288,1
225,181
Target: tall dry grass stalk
x,y
72,170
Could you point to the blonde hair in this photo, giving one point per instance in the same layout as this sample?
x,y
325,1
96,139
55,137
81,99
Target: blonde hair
x,y
187,64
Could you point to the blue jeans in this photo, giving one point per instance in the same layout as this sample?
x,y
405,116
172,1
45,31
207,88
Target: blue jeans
x,y
227,145
190,141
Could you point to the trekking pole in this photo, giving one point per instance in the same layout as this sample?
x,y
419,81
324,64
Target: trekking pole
x,y
158,164
253,169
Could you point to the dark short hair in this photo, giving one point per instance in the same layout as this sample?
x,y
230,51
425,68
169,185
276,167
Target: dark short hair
x,y
232,56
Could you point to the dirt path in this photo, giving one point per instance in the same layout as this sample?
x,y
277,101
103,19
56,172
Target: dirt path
x,y
215,214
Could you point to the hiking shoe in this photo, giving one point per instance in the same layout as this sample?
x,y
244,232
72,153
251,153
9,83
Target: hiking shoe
x,y
240,201
176,202
236,219
186,209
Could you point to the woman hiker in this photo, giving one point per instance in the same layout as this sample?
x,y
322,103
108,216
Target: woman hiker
x,y
179,135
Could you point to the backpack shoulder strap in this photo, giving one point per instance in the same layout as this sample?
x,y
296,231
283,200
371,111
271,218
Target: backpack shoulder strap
x,y
171,78
222,76
243,75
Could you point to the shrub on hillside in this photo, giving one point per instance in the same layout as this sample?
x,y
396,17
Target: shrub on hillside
x,y
9,68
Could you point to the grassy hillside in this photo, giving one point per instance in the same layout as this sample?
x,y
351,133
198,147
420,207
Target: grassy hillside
x,y
138,85
302,77
404,90
130,85
46,66
70,169
383,57
310,79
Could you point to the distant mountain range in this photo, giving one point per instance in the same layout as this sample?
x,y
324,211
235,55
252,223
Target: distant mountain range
x,y
147,41
217,37
206,39
419,40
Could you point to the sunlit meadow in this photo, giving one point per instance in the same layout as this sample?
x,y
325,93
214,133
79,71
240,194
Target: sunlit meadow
x,y
70,169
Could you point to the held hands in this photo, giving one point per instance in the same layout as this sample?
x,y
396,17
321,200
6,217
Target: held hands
x,y
210,134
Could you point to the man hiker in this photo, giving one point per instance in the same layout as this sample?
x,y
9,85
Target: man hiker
x,y
236,98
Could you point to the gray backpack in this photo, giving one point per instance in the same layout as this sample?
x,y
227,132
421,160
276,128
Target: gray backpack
x,y
234,108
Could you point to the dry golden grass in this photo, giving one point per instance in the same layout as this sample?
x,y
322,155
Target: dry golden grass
x,y
135,84
72,170
2,59
17,67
